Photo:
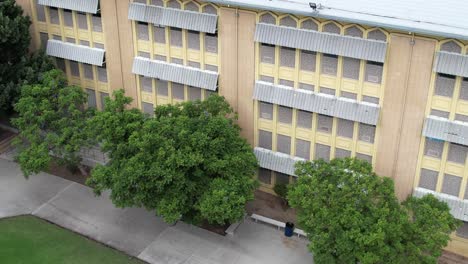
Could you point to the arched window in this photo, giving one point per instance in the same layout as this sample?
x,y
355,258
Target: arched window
x,y
331,28
451,46
191,6
309,24
377,35
288,22
173,4
353,32
209,9
157,2
268,19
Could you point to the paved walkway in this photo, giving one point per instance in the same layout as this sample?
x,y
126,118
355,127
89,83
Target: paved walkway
x,y
137,231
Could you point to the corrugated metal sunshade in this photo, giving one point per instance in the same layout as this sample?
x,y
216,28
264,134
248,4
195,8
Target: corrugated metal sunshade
x,y
175,73
87,6
75,52
173,17
358,48
444,129
451,63
325,104
276,161
458,207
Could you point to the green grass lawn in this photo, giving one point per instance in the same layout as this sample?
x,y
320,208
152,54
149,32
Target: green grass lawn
x,y
30,240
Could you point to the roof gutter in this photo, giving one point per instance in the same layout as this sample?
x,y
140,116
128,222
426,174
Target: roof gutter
x,y
339,18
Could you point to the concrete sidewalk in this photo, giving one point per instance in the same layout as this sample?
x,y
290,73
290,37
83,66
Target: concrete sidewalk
x,y
137,231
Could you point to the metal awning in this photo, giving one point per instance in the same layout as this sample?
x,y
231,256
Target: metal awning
x,y
276,161
75,52
87,6
447,130
451,63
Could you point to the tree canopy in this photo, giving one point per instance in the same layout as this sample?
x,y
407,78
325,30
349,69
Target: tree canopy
x,y
188,161
17,67
52,121
351,215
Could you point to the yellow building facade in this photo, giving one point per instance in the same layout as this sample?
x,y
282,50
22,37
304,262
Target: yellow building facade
x,y
305,86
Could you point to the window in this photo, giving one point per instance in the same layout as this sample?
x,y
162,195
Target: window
x,y
267,79
88,71
377,35
444,85
308,60
144,54
267,53
451,46
324,124
457,153
462,231
173,4
44,38
178,91
331,28
177,61
342,153
329,64
264,139
161,87
281,178
264,176
309,24
366,133
97,23
191,6
194,93
304,119
57,37
268,19
428,179
351,68
193,64
68,18
82,21
288,22
440,113
322,152
345,128
460,117
146,84
209,9
103,99
286,82
283,144
61,64
212,68
326,90
464,89
348,95
147,108
353,32
364,157
287,57
159,34
102,74
306,86
91,98
451,185
176,37
142,28
157,2
193,40
302,149
98,45
374,72
266,110
285,115
370,99
54,15
40,13
211,43
433,148
84,43
74,69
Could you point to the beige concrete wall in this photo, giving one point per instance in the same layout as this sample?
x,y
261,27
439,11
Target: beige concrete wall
x,y
125,39
237,76
27,8
408,80
111,33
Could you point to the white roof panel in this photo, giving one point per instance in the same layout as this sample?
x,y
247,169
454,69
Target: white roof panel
x,y
442,18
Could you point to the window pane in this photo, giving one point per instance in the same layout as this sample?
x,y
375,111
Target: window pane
x,y
211,43
377,35
212,68
267,53
74,68
451,47
159,34
194,64
97,24
268,19
305,86
451,185
364,157
191,6
88,71
374,72
287,57
143,31
433,148
193,40
177,61
460,117
173,4
264,139
304,119
302,149
322,152
370,99
194,93
102,74
283,144
267,79
286,83
462,231
44,38
161,86
285,115
331,28
428,179
281,178
98,45
91,98
351,68
54,16
209,9
157,2
457,153
61,64
266,110
82,21
103,99
40,13
342,153
176,37
345,128
288,22
68,18
348,95
178,91
264,176
324,123
366,133
439,113
353,32
146,84
444,85
329,64
309,24
464,89
147,108
84,43
144,54
326,90
308,60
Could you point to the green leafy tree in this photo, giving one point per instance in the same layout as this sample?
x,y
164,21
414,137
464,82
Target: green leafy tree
x,y
51,121
17,67
351,215
188,161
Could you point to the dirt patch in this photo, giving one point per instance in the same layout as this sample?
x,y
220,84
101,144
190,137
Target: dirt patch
x,y
218,229
4,134
64,172
271,206
452,258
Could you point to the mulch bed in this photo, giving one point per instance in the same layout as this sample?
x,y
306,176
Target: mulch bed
x,y
4,134
63,172
271,206
218,229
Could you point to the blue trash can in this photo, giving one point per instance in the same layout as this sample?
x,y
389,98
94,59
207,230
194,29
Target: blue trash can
x,y
289,229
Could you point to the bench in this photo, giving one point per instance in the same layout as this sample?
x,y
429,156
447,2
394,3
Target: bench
x,y
276,223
